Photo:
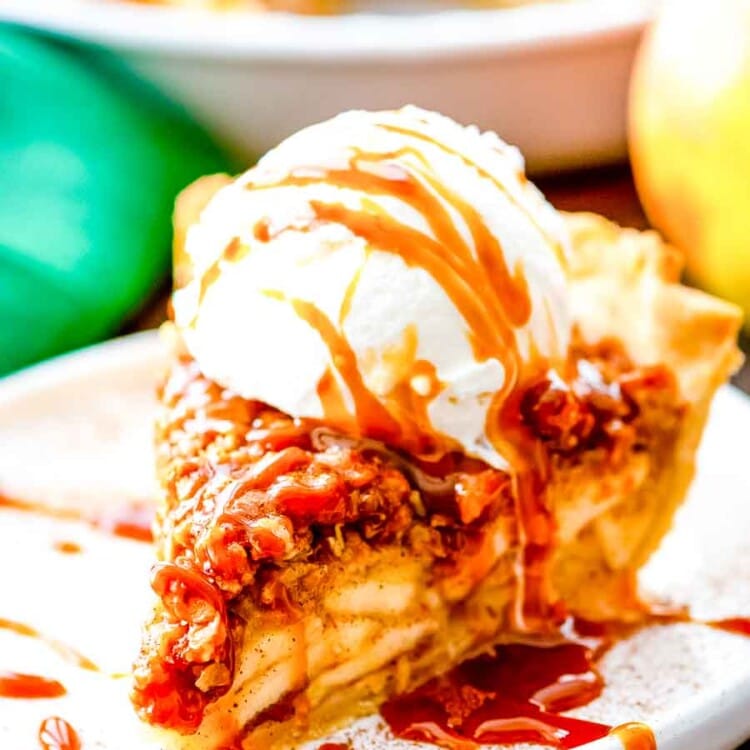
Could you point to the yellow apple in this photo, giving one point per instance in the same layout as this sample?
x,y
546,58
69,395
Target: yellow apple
x,y
689,135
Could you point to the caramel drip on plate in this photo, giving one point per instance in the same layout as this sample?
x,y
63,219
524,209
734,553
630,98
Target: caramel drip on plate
x,y
29,686
516,694
635,736
66,547
68,653
129,521
57,734
513,694
739,625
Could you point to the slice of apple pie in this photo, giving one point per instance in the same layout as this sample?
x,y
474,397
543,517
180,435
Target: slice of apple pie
x,y
412,412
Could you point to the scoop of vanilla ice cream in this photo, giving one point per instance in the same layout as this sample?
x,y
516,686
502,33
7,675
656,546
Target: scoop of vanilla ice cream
x,y
279,242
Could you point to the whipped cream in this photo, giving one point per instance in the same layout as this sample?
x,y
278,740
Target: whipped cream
x,y
392,274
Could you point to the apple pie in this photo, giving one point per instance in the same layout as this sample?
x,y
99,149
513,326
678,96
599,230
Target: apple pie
x,y
351,505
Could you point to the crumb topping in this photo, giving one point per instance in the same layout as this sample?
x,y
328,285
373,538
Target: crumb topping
x,y
248,491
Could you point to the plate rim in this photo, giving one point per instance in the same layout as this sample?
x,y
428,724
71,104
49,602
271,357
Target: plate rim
x,y
357,38
86,362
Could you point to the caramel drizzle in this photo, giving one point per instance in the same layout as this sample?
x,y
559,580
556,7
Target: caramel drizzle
x,y
409,399
492,299
482,172
334,404
68,653
416,386
132,521
489,338
371,415
232,252
491,312
533,607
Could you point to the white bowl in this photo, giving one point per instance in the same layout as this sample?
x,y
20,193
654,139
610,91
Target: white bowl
x,y
549,77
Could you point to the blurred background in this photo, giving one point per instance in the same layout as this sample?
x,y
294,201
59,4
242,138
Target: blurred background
x,y
638,110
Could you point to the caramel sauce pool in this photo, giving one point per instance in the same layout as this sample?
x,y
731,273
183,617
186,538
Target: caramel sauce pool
x,y
511,696
29,686
57,734
514,695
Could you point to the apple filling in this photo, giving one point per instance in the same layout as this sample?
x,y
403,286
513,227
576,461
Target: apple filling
x,y
295,561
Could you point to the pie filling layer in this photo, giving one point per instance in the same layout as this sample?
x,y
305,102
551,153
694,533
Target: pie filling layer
x,y
305,576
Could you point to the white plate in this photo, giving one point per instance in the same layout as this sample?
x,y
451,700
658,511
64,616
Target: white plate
x,y
549,77
77,431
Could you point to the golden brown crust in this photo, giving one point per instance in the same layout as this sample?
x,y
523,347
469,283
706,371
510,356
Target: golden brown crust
x,y
625,284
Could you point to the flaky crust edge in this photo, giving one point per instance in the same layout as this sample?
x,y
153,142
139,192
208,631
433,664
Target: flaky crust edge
x,y
625,285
